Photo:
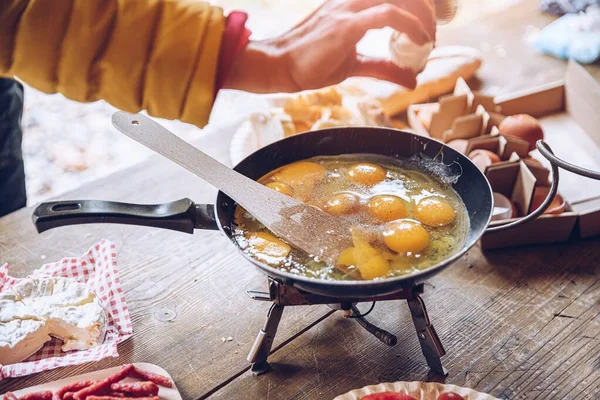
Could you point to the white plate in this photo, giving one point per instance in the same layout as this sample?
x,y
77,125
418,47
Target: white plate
x,y
244,141
418,390
164,393
242,144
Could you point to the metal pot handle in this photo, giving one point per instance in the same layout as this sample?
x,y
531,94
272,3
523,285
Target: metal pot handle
x,y
181,215
547,153
547,201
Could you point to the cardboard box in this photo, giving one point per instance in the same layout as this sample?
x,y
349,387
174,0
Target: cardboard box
x,y
517,181
504,146
569,111
462,115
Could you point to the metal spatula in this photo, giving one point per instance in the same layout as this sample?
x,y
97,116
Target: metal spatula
x,y
304,227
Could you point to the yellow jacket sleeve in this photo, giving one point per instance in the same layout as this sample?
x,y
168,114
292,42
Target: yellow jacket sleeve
x,y
157,55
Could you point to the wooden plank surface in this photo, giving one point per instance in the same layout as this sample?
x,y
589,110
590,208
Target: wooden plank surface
x,y
520,323
185,292
515,323
510,63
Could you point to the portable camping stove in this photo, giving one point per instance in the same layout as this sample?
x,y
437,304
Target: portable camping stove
x,y
283,295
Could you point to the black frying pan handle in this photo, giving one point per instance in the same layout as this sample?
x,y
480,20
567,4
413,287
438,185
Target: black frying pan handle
x,y
540,210
181,215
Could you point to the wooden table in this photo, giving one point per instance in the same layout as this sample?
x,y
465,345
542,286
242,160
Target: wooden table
x,y
518,323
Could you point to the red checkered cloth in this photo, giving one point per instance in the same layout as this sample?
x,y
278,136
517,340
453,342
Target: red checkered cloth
x,y
98,270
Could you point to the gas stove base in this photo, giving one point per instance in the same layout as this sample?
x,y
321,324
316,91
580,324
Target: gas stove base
x,y
282,295
261,368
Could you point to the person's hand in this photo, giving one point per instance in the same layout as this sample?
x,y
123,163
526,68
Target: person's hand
x,y
321,50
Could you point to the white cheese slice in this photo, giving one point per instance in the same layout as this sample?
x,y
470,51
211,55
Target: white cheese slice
x,y
78,327
33,288
53,292
37,308
21,338
10,310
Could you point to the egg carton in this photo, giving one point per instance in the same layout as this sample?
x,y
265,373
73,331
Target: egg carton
x,y
567,111
464,115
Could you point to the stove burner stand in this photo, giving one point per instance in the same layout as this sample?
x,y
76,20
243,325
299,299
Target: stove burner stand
x,y
283,295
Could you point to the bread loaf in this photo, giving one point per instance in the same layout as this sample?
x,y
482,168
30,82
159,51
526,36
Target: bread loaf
x,y
445,65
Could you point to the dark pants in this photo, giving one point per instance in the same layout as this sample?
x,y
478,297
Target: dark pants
x,y
12,172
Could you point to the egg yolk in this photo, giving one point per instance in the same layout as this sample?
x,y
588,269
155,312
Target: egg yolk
x,y
280,187
364,250
405,236
342,203
359,254
386,208
375,267
301,172
347,257
399,264
370,264
266,246
434,211
366,174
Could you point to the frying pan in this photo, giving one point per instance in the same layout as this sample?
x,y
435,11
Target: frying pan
x,y
185,216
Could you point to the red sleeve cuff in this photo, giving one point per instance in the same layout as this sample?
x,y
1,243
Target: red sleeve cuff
x,y
235,37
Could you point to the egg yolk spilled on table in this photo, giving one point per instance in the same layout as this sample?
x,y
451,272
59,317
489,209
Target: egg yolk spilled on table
x,y
405,219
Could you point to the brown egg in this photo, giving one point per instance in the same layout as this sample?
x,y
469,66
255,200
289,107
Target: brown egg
x,y
493,156
556,207
524,127
483,158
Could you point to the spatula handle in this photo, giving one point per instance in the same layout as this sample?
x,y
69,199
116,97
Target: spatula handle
x,y
302,226
154,136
